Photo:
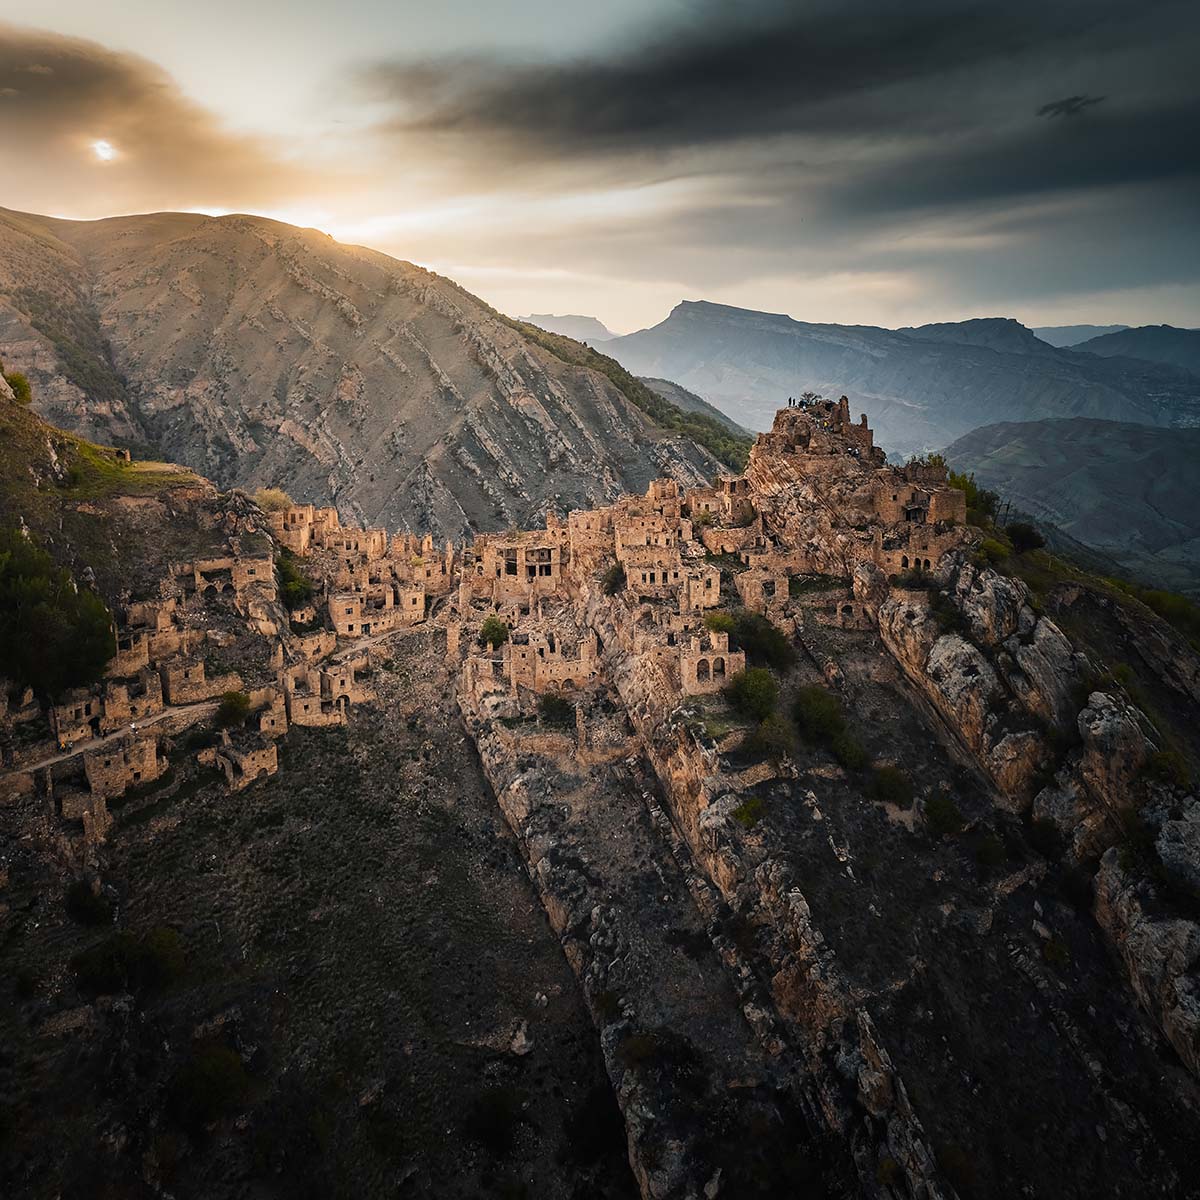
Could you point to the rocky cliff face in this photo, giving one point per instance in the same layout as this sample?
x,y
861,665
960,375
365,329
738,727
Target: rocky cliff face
x,y
264,355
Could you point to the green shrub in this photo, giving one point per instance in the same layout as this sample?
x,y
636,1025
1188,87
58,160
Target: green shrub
x,y
890,785
85,907
942,815
702,519
981,504
993,551
493,632
1169,766
295,588
233,709
720,621
613,580
849,751
749,812
818,715
125,963
19,382
764,644
774,737
554,710
207,1087
754,693
53,635
272,499
949,617
1024,537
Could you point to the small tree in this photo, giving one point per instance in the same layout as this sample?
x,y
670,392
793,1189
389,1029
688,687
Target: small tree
x,y
754,693
775,737
19,382
614,579
272,499
720,622
493,632
233,709
1024,537
890,785
993,551
554,710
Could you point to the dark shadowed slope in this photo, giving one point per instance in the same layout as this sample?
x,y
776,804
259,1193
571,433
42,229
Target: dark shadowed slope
x,y
1128,491
263,354
922,387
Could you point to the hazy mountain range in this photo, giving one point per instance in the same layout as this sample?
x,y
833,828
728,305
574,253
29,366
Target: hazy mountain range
x,y
1128,491
583,329
922,387
1072,335
262,354
1153,343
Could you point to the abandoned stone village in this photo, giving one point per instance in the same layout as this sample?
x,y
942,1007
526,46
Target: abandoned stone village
x,y
595,663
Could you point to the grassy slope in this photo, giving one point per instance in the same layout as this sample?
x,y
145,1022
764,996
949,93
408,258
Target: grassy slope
x,y
81,502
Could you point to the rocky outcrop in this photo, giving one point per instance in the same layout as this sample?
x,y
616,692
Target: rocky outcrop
x,y
1161,953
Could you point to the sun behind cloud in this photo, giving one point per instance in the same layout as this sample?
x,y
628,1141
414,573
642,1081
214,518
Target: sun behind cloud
x,y
105,151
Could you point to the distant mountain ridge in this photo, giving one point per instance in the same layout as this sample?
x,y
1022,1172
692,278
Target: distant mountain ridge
x,y
1125,490
1064,336
1153,343
922,387
583,329
260,354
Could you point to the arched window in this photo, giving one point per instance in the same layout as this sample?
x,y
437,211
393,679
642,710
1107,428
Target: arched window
x,y
702,673
904,563
718,668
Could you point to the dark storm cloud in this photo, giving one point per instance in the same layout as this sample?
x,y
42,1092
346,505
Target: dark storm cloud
x,y
768,68
59,95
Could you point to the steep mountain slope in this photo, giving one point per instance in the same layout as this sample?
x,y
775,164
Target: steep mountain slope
x,y
1071,335
690,402
923,387
1125,490
1154,343
583,329
259,353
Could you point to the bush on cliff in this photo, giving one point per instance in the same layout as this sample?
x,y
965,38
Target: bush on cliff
x,y
22,392
614,580
754,693
775,738
233,709
295,588
819,717
942,816
272,499
890,785
993,551
493,632
554,710
720,622
1024,537
53,635
764,644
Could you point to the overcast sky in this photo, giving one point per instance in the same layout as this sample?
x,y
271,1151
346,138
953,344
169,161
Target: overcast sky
x,y
867,161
